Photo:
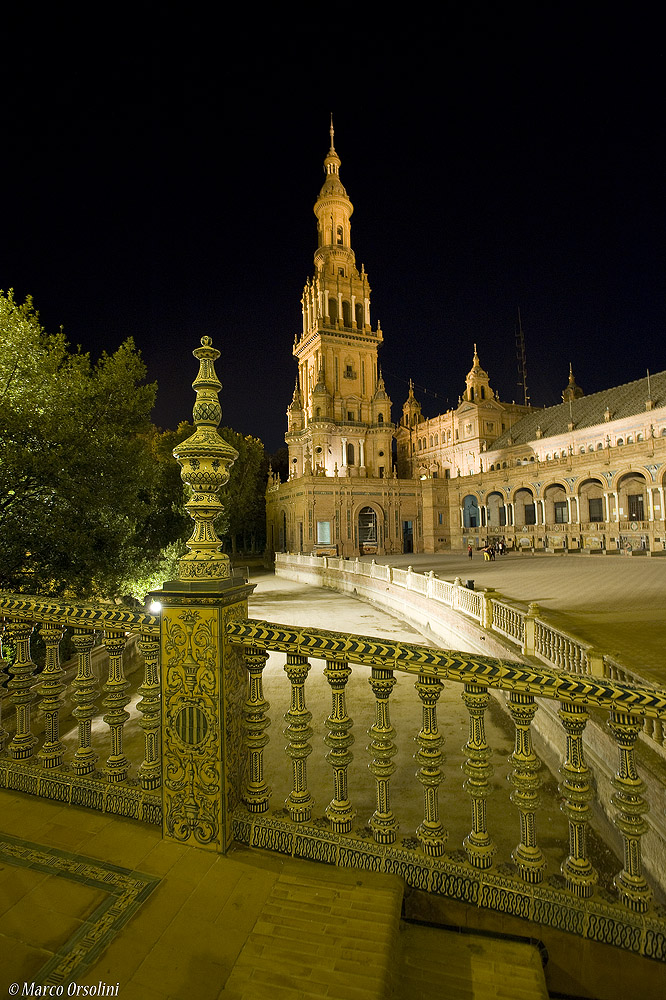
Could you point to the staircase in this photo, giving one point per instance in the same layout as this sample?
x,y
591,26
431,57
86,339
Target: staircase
x,y
338,934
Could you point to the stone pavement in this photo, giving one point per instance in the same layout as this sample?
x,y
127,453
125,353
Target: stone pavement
x,y
617,603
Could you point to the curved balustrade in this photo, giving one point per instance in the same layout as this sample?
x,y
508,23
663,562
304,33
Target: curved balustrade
x,y
526,629
95,708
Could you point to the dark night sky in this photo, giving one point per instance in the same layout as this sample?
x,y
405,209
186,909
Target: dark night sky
x,y
161,185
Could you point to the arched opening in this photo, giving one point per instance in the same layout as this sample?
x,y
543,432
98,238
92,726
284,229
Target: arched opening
x,y
632,497
380,418
555,502
333,311
359,316
471,513
346,313
350,454
367,530
524,507
496,510
591,501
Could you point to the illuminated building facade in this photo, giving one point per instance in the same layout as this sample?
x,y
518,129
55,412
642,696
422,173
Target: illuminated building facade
x,y
586,475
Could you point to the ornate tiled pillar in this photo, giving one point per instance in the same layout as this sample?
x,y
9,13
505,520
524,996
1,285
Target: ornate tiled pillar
x,y
203,676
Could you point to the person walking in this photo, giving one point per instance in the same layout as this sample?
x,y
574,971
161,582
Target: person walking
x,y
469,550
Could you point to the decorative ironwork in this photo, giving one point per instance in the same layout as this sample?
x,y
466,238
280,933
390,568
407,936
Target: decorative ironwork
x,y
478,844
431,834
339,739
299,802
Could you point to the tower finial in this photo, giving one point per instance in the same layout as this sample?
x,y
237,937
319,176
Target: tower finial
x,y
332,131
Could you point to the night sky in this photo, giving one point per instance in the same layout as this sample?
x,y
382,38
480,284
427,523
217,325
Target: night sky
x,y
159,183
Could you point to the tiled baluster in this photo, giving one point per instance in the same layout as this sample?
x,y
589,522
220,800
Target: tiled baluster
x,y
339,811
525,779
299,802
576,791
50,689
21,687
85,694
478,844
628,799
431,834
383,823
539,645
256,793
117,764
4,677
150,706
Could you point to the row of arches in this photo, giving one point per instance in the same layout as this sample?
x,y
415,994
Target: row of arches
x,y
630,498
346,317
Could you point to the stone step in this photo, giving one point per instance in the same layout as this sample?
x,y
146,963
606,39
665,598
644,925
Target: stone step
x,y
335,935
436,962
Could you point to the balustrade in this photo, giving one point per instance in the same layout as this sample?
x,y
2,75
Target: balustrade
x,y
339,739
39,744
382,748
431,834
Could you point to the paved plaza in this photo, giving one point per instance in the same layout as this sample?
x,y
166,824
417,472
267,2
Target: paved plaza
x,y
617,603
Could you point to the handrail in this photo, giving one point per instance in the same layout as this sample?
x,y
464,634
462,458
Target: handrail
x,y
446,664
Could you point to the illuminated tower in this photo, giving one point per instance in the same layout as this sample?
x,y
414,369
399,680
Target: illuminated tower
x,y
340,416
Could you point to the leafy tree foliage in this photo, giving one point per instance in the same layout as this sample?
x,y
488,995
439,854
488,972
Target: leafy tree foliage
x,y
87,502
244,496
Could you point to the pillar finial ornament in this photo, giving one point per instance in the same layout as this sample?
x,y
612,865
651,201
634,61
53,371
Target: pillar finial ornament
x,y
205,459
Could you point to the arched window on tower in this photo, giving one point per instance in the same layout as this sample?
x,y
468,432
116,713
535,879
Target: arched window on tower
x,y
380,418
350,454
339,236
333,310
346,313
359,316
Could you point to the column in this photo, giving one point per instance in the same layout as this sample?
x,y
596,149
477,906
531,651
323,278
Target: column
x,y
344,451
361,446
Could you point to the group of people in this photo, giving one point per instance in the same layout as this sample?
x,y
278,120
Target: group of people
x,y
490,549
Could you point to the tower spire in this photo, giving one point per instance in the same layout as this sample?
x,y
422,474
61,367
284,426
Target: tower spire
x,y
332,132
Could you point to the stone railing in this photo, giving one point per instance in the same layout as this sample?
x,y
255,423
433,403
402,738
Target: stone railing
x,y
97,771
482,868
405,590
215,789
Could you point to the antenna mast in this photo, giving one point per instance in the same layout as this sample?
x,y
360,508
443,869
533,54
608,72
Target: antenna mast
x,y
522,360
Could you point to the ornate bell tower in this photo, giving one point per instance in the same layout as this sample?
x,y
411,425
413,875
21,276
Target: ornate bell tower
x,y
340,416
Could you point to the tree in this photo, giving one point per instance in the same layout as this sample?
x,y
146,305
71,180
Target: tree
x,y
87,506
243,521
